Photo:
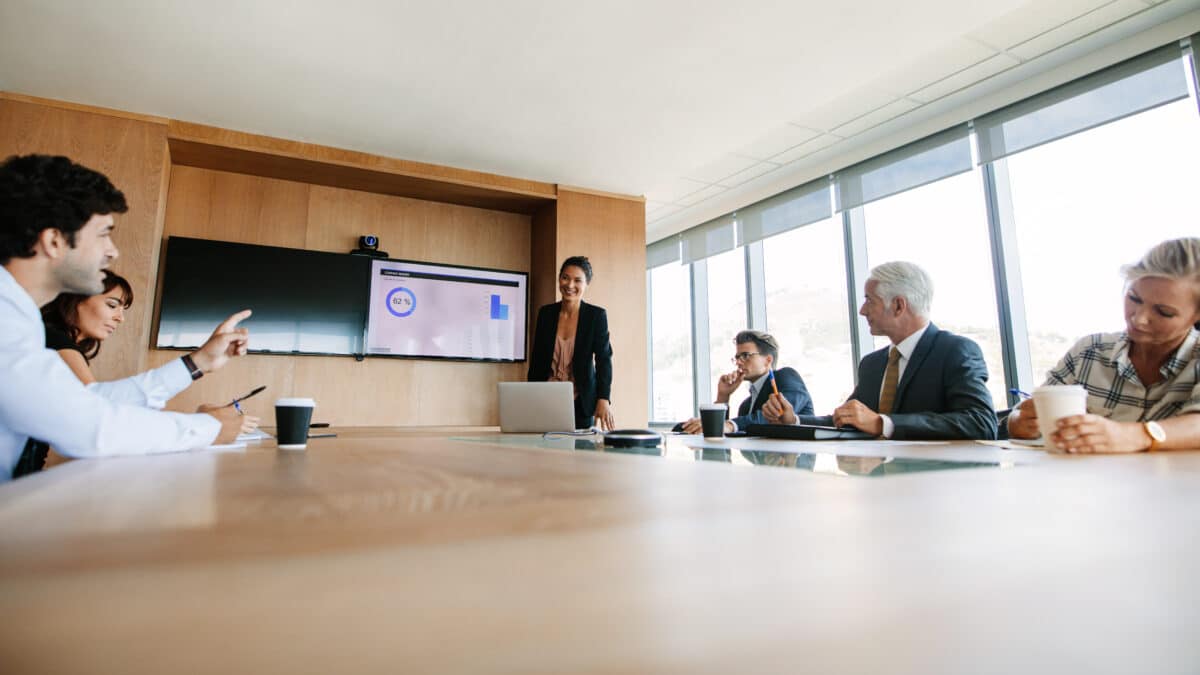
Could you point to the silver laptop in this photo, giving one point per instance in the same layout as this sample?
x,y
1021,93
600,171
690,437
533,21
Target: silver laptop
x,y
537,407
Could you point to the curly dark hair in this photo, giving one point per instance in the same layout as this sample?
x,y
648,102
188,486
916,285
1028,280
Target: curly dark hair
x,y
581,262
40,192
63,313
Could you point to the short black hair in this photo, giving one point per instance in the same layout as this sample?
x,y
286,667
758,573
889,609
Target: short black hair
x,y
766,345
40,192
581,262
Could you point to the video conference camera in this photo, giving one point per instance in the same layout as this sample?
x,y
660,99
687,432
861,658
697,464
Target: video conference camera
x,y
368,244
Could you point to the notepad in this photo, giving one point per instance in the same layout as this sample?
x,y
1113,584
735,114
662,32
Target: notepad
x,y
256,435
226,447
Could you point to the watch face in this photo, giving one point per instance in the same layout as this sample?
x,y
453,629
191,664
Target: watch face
x,y
1156,431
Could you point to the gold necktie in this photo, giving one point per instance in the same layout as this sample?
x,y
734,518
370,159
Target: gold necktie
x,y
891,377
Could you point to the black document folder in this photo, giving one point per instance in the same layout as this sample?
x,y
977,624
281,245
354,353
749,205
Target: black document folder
x,y
806,432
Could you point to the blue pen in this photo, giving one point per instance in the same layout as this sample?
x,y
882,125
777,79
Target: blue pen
x,y
1018,392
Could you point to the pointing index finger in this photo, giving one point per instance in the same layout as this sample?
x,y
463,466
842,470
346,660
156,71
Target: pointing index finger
x,y
233,320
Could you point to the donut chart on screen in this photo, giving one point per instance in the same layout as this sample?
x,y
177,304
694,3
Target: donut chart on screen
x,y
445,311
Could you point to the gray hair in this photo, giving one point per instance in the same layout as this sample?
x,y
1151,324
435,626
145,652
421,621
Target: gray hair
x,y
1177,259
904,280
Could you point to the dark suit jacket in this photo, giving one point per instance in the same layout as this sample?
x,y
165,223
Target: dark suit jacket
x,y
943,394
592,364
791,386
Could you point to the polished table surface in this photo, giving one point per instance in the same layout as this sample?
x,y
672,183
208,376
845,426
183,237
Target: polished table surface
x,y
467,551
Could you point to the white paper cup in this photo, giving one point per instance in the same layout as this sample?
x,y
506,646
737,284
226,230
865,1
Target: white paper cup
x,y
292,417
712,420
1056,402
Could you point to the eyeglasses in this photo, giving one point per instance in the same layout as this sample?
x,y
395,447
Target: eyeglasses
x,y
744,356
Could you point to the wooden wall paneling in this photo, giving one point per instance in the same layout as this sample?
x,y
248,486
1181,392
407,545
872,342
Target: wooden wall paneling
x,y
460,393
216,138
236,207
189,201
132,152
543,263
478,238
155,266
226,150
373,392
611,232
81,107
336,219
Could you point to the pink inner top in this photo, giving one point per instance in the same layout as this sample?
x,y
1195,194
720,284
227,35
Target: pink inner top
x,y
560,366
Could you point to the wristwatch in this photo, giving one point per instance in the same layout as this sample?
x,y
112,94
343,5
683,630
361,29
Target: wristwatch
x,y
193,369
1157,435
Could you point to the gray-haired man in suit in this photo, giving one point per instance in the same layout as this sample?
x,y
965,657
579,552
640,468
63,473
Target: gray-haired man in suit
x,y
930,384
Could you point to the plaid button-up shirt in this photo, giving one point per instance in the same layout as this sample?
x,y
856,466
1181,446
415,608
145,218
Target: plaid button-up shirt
x,y
1101,364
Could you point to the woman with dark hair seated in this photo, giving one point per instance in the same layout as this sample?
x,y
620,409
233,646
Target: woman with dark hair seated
x,y
76,325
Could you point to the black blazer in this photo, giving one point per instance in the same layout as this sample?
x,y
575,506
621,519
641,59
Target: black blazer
x,y
943,394
791,386
592,363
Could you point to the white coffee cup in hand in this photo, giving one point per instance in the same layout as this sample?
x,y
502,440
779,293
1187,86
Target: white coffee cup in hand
x,y
1054,402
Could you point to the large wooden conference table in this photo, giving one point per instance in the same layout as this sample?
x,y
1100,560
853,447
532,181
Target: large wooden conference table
x,y
383,551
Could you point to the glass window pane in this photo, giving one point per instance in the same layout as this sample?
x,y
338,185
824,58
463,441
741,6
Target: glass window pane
x,y
805,273
1087,204
671,343
943,228
726,308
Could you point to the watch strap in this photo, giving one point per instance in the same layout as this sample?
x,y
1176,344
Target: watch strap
x,y
193,369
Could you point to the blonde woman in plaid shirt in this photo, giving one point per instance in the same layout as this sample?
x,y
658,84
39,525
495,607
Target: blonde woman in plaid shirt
x,y
1143,384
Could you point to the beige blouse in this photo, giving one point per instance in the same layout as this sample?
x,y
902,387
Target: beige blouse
x,y
560,365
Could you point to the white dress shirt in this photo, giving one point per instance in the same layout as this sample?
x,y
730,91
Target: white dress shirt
x,y
755,387
41,398
906,347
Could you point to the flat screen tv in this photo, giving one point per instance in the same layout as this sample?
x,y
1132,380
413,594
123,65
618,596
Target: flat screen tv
x,y
304,302
445,311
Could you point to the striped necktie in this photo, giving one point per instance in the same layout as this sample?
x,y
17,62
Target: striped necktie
x,y
891,377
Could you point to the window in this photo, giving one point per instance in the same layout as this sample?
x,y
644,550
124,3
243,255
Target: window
x,y
726,308
807,309
942,227
1089,203
671,343
1097,171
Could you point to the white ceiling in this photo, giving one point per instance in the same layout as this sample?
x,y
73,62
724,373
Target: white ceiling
x,y
678,100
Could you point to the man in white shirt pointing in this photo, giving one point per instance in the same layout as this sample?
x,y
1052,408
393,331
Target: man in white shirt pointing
x,y
56,221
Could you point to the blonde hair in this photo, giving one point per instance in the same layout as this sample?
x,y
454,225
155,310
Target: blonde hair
x,y
1172,259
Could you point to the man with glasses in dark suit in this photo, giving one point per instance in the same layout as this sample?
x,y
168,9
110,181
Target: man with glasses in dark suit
x,y
757,354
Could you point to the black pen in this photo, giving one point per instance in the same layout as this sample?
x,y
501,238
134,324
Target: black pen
x,y
254,391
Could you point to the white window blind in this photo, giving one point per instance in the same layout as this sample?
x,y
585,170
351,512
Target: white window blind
x,y
662,252
1141,83
930,159
715,236
800,206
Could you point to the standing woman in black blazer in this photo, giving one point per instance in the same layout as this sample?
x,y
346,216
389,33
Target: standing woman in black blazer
x,y
570,344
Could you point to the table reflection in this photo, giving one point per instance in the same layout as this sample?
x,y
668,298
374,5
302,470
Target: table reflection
x,y
695,449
